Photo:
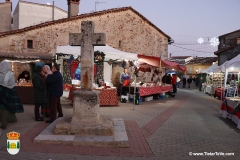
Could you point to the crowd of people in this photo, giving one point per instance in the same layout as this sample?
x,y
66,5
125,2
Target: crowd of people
x,y
175,81
47,86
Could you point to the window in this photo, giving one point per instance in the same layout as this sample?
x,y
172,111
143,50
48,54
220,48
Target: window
x,y
30,44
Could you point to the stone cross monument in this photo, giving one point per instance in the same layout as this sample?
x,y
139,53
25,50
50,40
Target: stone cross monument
x,y
87,40
86,119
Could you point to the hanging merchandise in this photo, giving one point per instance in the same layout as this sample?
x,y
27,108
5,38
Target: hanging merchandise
x,y
74,66
98,60
110,61
70,59
99,57
66,72
124,64
135,71
77,74
131,63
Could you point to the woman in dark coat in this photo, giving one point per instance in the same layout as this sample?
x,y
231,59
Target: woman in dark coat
x,y
39,91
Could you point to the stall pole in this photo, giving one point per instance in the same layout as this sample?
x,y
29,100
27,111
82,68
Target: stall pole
x,y
221,87
135,77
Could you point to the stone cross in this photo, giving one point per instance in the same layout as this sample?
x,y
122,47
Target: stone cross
x,y
87,39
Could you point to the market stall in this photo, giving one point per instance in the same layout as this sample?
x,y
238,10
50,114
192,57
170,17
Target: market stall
x,y
214,80
104,56
148,82
231,109
23,70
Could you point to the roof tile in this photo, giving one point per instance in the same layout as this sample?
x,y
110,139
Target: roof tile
x,y
3,34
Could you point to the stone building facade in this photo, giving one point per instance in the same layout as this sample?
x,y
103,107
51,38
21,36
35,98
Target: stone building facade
x,y
125,30
5,16
30,14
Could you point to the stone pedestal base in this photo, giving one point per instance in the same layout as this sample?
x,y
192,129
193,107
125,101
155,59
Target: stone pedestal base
x,y
103,128
118,139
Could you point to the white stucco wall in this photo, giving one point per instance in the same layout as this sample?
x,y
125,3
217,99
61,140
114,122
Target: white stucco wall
x,y
29,14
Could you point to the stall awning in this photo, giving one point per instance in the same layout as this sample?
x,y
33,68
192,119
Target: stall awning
x,y
155,61
210,69
111,53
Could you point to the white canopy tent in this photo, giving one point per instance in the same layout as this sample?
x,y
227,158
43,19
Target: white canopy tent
x,y
229,66
210,69
235,62
110,53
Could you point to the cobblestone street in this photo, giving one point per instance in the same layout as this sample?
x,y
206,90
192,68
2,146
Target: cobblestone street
x,y
159,129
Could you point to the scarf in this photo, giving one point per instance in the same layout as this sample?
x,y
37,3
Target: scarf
x,y
6,76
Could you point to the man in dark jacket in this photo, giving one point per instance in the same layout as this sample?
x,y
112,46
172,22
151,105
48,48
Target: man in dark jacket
x,y
55,82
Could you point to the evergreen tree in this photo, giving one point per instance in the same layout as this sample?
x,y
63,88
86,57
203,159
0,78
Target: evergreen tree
x,y
18,145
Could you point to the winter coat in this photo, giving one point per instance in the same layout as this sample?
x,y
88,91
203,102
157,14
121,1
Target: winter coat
x,y
189,80
55,84
174,80
39,89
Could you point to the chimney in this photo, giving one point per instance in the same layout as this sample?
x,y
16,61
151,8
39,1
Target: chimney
x,y
73,7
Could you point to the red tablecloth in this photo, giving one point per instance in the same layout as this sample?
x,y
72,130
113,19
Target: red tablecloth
x,y
107,97
144,91
234,117
219,91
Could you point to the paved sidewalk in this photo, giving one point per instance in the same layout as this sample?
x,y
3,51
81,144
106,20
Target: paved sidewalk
x,y
159,129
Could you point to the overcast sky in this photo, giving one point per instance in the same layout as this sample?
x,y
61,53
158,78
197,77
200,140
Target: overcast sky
x,y
183,20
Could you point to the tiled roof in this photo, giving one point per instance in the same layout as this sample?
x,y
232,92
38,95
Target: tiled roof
x,y
47,57
179,57
42,5
115,10
203,60
230,33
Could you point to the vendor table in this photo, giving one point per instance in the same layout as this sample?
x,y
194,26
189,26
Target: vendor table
x,y
231,104
25,94
107,97
150,90
209,89
219,92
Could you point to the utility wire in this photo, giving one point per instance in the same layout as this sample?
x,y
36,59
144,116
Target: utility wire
x,y
181,50
189,49
190,43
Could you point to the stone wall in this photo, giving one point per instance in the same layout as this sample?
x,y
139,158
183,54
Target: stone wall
x,y
5,16
29,14
135,34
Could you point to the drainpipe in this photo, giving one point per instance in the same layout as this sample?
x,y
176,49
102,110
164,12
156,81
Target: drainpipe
x,y
53,11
